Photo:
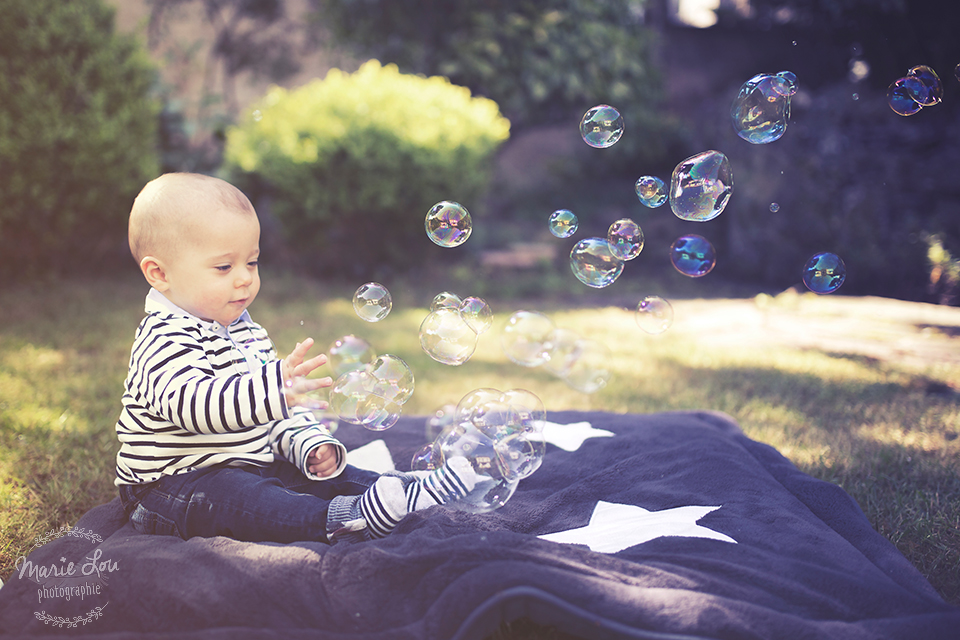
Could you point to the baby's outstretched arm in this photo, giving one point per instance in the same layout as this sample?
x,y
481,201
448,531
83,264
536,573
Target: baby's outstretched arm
x,y
323,460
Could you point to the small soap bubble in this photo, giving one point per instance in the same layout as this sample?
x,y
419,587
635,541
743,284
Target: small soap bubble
x,y
601,126
856,96
693,255
654,315
595,263
931,82
900,96
824,272
701,186
394,378
476,313
563,223
446,337
349,353
591,370
774,207
372,302
426,458
626,238
448,224
761,110
523,338
445,300
651,191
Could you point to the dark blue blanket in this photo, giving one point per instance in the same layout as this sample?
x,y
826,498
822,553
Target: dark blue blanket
x,y
671,525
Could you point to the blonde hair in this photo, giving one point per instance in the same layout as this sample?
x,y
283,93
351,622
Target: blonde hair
x,y
167,205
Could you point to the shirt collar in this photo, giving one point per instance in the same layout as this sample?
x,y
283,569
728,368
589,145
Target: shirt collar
x,y
156,302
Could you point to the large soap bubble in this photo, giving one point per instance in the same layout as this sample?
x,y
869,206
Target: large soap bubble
x,y
700,186
446,337
349,353
654,315
933,88
761,109
595,262
651,191
824,272
448,224
626,238
693,255
601,126
523,338
372,302
495,485
563,223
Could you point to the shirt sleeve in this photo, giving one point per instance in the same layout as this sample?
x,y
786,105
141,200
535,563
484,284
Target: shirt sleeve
x,y
297,436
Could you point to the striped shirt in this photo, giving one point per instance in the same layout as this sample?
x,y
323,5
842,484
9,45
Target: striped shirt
x,y
199,394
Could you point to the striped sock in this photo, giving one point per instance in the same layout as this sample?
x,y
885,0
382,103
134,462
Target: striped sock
x,y
455,479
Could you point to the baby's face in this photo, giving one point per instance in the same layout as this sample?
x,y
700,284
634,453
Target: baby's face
x,y
214,275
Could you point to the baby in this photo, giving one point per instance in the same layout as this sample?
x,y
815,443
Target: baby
x,y
210,444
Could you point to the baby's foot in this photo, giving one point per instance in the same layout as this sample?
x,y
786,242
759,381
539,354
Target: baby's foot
x,y
451,482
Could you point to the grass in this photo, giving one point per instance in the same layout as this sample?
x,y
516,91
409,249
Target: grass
x,y
888,432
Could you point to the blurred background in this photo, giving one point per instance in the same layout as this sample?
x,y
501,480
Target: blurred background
x,y
479,102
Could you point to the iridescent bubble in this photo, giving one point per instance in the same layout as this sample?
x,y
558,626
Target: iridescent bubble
x,y
448,224
476,313
496,484
651,191
591,369
446,337
445,300
394,378
626,238
439,420
931,82
824,272
562,347
372,302
761,110
601,126
595,263
693,255
701,186
788,84
529,408
523,338
774,207
900,96
426,458
563,223
513,420
349,353
654,315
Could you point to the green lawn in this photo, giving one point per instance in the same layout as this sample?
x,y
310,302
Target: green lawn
x,y
884,428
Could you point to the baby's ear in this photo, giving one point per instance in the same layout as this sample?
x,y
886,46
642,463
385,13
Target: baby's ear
x,y
154,272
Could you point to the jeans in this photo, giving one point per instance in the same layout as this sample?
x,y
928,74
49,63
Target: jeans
x,y
276,503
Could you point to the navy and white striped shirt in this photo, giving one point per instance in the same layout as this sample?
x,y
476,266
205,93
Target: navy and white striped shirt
x,y
199,394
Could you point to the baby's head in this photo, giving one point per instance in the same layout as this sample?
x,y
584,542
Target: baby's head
x,y
197,240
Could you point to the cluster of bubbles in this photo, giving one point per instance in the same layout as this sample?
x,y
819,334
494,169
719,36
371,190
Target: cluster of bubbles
x,y
761,109
654,315
372,302
920,87
448,224
598,262
824,272
601,126
531,339
499,432
450,332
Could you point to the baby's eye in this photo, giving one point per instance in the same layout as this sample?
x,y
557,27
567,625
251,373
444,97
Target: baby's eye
x,y
253,263
222,268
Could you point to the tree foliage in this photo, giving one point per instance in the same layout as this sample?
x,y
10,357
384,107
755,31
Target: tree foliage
x,y
77,134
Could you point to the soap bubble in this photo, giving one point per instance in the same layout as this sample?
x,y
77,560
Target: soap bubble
x,y
448,224
931,82
353,398
956,72
626,238
446,337
445,300
654,315
595,263
523,337
349,353
394,378
496,484
372,302
824,272
476,313
426,458
761,109
693,255
601,126
590,371
651,191
439,420
563,223
900,96
774,207
700,186
562,348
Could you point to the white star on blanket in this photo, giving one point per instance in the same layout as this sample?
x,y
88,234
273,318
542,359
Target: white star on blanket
x,y
615,527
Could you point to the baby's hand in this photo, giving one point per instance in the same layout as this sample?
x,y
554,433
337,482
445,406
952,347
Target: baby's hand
x,y
323,461
294,366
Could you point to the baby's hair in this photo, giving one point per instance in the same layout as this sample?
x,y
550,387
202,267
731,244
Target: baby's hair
x,y
169,202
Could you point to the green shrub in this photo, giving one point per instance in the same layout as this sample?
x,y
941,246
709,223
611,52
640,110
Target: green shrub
x,y
352,163
77,135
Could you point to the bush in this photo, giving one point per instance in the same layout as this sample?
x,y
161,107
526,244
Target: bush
x,y
77,135
352,163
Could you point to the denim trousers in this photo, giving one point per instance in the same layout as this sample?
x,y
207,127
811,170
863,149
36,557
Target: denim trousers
x,y
276,503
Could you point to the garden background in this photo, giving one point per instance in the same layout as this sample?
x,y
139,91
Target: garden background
x,y
859,388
